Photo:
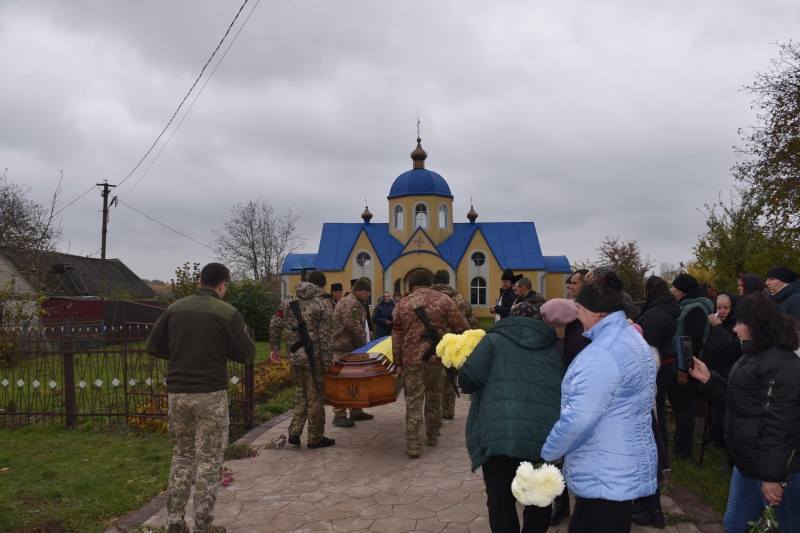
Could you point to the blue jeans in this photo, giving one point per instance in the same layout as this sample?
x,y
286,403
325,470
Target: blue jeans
x,y
746,501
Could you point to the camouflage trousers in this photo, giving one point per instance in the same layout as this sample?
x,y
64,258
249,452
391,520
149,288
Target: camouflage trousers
x,y
423,392
342,413
448,395
308,404
198,427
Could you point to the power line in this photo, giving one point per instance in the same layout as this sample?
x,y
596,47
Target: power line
x,y
195,98
157,222
75,200
187,94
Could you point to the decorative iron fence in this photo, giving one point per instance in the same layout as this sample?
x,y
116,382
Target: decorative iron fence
x,y
71,377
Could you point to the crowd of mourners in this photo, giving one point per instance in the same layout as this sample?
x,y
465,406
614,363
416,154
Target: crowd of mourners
x,y
586,381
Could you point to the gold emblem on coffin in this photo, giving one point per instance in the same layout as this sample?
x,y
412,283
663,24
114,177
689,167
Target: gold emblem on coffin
x,y
361,380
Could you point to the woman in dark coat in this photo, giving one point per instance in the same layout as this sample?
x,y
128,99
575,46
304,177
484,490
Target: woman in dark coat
x,y
382,316
762,415
723,348
515,374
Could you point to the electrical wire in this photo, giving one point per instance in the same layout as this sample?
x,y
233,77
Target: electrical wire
x,y
157,222
75,200
190,90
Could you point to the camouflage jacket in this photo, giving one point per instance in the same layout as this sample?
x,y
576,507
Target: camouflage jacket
x,y
408,346
317,313
461,302
349,323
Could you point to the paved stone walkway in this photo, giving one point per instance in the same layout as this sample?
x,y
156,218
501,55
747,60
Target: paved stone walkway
x,y
363,483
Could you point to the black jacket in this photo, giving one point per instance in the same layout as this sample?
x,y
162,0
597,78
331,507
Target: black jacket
x,y
507,300
380,315
762,412
659,322
533,298
723,347
574,342
788,299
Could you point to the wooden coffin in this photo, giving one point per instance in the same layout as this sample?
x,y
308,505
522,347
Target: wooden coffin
x,y
361,380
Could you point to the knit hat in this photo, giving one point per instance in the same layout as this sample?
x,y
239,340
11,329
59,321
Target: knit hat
x,y
602,270
783,273
421,278
441,276
559,312
336,287
527,310
353,282
362,284
317,278
685,283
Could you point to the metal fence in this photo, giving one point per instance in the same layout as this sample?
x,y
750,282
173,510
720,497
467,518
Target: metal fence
x,y
71,377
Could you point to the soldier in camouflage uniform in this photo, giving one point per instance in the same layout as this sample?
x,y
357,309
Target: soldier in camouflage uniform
x,y
441,282
197,334
317,313
350,333
423,381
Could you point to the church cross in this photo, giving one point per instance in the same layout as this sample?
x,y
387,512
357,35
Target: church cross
x,y
419,242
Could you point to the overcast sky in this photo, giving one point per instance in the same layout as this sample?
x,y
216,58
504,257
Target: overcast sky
x,y
588,118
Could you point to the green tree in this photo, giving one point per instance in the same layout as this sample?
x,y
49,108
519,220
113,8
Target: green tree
x,y
739,242
256,303
185,283
771,151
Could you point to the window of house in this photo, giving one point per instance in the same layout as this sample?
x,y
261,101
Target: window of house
x,y
477,291
398,217
478,259
363,259
421,216
443,219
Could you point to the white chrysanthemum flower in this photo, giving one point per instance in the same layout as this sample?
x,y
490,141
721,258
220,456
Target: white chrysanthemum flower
x,y
538,486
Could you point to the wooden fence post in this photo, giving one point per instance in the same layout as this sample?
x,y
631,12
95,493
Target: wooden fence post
x,y
70,401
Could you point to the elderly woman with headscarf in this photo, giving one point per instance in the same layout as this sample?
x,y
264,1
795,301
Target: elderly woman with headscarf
x,y
604,432
515,375
748,284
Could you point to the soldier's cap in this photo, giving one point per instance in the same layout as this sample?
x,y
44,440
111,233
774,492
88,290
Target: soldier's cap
x,y
362,284
317,278
421,278
336,287
353,282
441,276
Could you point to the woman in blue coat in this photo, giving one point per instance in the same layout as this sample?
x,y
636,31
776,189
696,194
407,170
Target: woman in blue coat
x,y
604,432
515,373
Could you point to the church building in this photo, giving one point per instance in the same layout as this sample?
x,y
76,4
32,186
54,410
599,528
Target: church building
x,y
422,234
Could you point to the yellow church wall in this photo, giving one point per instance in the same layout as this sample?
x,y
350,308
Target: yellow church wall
x,y
554,283
408,202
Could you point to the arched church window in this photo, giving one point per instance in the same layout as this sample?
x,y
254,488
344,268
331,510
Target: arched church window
x,y
398,216
421,216
477,291
363,259
478,259
443,218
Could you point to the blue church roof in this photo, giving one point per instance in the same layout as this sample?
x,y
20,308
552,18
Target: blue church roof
x,y
419,181
515,245
293,259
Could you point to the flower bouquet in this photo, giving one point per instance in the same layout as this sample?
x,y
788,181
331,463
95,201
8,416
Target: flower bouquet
x,y
454,349
537,486
767,523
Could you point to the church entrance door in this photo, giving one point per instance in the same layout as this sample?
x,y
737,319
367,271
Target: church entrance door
x,y
408,276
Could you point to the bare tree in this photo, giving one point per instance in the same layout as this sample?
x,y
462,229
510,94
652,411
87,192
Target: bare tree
x,y
23,222
668,271
255,241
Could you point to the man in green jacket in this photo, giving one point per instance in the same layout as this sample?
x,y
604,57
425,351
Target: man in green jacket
x,y
197,335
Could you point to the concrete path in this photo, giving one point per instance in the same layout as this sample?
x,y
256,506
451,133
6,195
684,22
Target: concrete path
x,y
363,483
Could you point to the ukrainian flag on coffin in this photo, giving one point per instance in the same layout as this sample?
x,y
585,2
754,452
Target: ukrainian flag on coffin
x,y
382,346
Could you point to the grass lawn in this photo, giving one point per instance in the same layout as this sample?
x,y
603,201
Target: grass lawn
x,y
77,480
705,483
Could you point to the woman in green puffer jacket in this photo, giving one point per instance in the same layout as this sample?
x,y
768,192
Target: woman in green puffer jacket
x,y
515,374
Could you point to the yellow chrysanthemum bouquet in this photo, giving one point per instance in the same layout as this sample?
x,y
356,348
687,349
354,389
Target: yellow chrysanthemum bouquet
x,y
454,349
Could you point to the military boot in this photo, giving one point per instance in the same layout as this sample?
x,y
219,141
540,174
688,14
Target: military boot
x,y
343,422
413,452
178,528
360,417
294,440
433,441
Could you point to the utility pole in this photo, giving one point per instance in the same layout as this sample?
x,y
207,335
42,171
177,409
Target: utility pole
x,y
106,190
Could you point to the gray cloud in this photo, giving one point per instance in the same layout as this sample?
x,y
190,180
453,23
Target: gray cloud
x,y
591,119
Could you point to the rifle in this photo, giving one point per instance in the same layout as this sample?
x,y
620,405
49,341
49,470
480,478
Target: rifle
x,y
433,335
305,341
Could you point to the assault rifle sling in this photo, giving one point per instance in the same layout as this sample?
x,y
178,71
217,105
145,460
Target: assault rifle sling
x,y
305,341
434,337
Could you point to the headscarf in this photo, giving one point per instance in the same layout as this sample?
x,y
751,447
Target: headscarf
x,y
751,283
731,320
527,310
